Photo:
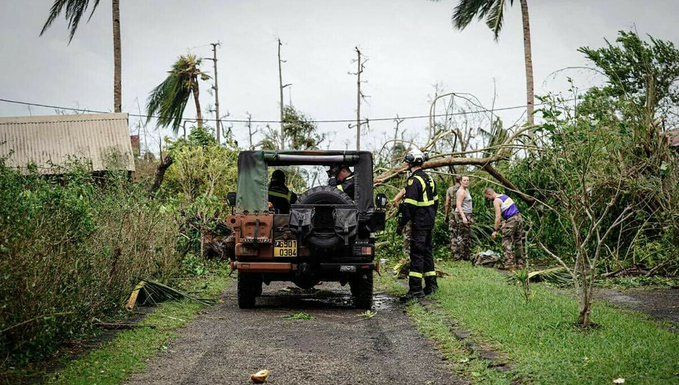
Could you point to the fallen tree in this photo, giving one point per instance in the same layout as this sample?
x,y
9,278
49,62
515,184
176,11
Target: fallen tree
x,y
497,153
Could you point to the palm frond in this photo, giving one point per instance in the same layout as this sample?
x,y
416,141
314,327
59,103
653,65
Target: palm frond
x,y
466,10
496,17
168,100
74,10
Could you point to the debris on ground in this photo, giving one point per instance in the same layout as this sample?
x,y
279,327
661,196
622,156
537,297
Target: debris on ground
x,y
488,258
150,293
260,377
368,314
555,275
300,316
402,268
118,325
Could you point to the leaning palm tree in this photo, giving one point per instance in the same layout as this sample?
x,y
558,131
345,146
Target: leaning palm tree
x,y
74,11
493,12
169,98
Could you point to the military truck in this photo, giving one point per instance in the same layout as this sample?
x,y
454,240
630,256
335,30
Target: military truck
x,y
327,236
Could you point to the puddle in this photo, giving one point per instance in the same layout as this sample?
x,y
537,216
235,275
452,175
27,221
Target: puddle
x,y
325,298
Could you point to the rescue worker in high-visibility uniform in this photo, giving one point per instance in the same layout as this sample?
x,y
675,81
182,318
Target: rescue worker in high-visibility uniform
x,y
343,179
419,209
280,195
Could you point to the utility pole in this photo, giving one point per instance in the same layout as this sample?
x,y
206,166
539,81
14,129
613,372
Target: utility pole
x,y
359,70
251,133
216,88
280,89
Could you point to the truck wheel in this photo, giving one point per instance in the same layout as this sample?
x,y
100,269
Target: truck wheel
x,y
249,287
362,291
325,194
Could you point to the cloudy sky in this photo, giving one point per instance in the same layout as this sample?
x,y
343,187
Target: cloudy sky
x,y
410,45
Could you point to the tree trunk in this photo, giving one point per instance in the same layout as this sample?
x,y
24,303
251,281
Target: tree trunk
x,y
585,293
196,94
117,58
160,173
507,183
528,57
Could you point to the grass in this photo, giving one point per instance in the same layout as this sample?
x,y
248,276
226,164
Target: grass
x,y
301,316
128,352
540,337
466,363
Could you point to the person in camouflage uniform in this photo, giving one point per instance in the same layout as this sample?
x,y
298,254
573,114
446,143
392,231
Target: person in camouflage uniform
x,y
508,222
450,219
464,218
460,222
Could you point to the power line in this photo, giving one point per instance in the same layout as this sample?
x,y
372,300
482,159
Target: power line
x,y
391,118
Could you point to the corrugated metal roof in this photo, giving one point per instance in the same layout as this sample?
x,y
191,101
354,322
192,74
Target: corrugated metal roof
x,y
54,141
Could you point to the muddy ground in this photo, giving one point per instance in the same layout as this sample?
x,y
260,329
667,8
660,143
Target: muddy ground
x,y
337,346
660,304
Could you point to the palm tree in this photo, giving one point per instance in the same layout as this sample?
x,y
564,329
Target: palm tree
x,y
74,11
169,98
493,12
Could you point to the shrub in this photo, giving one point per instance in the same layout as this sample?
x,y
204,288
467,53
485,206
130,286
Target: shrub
x,y
71,249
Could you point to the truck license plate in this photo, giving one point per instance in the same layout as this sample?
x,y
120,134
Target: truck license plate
x,y
285,248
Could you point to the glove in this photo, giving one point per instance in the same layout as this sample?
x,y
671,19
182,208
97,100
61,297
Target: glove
x,y
447,218
399,229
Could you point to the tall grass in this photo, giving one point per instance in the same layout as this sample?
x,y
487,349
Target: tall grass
x,y
71,249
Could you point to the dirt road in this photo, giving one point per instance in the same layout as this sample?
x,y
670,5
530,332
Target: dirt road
x,y
337,346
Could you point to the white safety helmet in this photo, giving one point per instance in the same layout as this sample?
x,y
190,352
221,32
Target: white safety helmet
x,y
415,157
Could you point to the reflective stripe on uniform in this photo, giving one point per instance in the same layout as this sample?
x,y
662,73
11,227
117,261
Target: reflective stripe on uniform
x,y
425,197
415,274
339,186
430,274
281,195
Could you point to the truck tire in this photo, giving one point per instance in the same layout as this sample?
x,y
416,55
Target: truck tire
x,y
325,194
362,291
249,287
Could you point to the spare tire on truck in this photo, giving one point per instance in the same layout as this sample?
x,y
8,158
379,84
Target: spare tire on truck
x,y
325,194
323,236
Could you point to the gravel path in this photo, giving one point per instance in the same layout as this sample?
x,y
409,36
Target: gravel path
x,y
337,346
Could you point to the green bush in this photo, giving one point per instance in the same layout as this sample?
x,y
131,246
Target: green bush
x,y
71,249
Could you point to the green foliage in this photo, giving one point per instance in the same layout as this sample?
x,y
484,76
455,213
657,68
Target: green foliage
x,y
201,175
645,73
71,249
301,133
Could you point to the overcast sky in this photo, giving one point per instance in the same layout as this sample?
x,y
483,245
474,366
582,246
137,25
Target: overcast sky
x,y
410,45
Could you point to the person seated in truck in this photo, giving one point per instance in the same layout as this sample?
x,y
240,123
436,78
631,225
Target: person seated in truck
x,y
343,178
280,195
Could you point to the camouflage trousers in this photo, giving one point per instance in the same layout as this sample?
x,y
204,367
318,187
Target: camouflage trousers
x,y
513,241
407,232
460,237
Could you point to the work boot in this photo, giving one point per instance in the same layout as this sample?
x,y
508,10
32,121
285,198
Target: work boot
x,y
415,292
430,285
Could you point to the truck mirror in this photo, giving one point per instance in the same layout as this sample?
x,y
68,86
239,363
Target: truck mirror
x,y
381,201
231,198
